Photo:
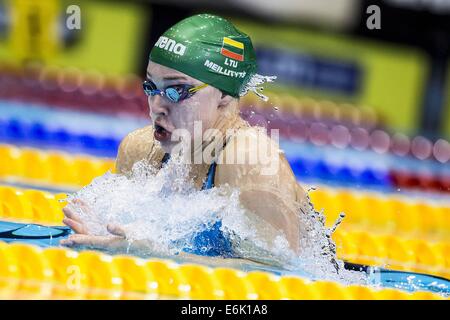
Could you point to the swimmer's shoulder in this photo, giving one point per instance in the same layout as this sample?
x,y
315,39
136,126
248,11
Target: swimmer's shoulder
x,y
267,186
136,146
253,160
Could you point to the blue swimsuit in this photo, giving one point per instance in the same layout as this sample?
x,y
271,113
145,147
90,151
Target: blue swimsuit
x,y
211,241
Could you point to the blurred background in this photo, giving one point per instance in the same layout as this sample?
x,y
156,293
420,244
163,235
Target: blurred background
x,y
361,101
355,105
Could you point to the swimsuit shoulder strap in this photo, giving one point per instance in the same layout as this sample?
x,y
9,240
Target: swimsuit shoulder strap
x,y
209,182
166,158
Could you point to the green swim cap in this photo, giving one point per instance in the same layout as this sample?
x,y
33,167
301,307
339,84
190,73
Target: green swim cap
x,y
210,49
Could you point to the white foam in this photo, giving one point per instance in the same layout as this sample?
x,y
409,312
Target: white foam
x,y
164,208
254,85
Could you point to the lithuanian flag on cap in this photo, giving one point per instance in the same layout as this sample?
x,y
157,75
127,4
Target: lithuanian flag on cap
x,y
232,49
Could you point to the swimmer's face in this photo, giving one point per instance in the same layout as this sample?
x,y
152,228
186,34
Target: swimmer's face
x,y
205,105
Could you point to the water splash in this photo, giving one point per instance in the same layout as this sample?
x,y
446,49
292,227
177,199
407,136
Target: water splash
x,y
164,208
160,206
318,250
254,85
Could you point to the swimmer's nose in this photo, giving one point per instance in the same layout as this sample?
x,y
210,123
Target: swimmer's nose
x,y
158,106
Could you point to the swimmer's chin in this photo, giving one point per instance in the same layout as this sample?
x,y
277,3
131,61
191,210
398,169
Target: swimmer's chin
x,y
169,146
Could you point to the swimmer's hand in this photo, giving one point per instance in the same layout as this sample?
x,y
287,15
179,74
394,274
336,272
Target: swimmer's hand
x,y
117,242
72,219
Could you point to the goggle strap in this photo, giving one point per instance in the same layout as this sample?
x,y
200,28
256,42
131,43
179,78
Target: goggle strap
x,y
195,89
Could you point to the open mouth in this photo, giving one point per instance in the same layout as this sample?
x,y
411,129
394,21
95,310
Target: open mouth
x,y
161,134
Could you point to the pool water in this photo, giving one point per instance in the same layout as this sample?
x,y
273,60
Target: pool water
x,y
45,236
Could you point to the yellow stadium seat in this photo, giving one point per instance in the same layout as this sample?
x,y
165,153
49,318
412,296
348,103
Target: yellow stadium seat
x,y
35,165
275,100
320,199
444,249
370,247
66,273
312,108
378,214
345,246
105,166
34,272
368,116
427,254
358,292
62,171
353,208
289,104
406,215
202,282
323,200
331,291
85,169
137,280
393,294
234,284
445,219
422,295
9,274
10,164
266,285
329,110
399,254
61,199
429,218
249,100
7,191
15,205
298,289
170,280
45,206
105,282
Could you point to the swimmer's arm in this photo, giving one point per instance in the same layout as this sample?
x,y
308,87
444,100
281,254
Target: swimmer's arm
x,y
268,189
240,263
272,214
118,244
271,207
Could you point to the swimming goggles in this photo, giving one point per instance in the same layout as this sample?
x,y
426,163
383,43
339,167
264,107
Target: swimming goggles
x,y
175,93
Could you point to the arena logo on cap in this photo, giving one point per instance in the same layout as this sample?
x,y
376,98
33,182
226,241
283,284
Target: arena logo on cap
x,y
170,45
232,49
